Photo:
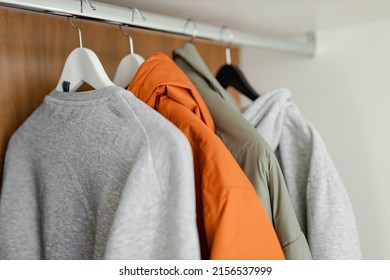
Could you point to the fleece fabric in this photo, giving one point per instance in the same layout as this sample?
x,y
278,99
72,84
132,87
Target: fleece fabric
x,y
317,192
98,174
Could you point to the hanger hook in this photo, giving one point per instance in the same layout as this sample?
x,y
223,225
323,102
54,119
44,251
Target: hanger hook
x,y
195,32
229,43
89,3
138,12
78,29
132,19
128,36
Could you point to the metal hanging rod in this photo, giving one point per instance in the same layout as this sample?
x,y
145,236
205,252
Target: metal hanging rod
x,y
114,14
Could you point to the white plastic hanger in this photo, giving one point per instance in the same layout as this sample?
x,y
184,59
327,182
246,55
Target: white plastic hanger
x,y
82,65
130,64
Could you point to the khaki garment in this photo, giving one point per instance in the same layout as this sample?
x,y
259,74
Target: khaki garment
x,y
232,222
250,150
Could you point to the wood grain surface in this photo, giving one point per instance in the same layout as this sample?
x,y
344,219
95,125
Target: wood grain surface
x,y
34,47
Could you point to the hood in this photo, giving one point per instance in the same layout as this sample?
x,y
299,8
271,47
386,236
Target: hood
x,y
189,54
154,79
267,114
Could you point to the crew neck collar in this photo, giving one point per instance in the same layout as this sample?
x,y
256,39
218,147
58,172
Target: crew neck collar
x,y
84,95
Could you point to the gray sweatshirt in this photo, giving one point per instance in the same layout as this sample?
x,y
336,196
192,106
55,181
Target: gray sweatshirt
x,y
98,174
318,195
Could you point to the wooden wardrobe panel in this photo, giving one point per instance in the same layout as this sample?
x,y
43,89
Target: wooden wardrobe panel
x,y
34,47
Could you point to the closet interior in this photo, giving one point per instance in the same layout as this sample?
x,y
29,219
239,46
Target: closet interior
x,y
35,41
34,47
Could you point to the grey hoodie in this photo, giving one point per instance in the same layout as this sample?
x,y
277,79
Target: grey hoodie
x,y
318,195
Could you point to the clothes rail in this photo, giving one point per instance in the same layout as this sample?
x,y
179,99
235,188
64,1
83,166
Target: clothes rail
x,y
121,15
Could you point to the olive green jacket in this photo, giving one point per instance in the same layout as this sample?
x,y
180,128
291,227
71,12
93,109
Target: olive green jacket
x,y
250,150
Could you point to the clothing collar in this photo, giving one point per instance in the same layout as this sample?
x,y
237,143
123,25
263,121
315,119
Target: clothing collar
x,y
84,95
191,56
154,79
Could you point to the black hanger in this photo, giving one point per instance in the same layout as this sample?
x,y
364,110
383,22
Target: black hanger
x,y
231,75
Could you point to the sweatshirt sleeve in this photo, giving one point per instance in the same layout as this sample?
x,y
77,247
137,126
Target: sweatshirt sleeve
x,y
331,225
156,215
319,197
174,168
19,205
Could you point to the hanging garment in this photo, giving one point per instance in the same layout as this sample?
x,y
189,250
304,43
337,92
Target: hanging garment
x,y
317,192
76,160
249,149
232,222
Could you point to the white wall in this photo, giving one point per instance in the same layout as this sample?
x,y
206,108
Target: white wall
x,y
345,92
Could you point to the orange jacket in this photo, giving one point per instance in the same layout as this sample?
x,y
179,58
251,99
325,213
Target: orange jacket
x,y
232,222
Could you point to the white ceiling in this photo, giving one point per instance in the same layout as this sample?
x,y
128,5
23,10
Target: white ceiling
x,y
287,18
